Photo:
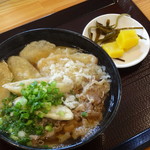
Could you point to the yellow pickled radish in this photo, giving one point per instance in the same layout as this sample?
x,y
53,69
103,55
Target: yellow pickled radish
x,y
113,50
127,39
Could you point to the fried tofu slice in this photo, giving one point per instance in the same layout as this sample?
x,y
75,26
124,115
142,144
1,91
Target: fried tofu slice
x,y
22,69
52,59
5,73
4,93
37,50
44,64
5,77
65,50
84,58
60,112
15,87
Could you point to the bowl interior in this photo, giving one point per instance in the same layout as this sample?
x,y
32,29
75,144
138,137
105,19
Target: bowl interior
x,y
61,37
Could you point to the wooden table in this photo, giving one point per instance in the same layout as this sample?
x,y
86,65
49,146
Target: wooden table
x,y
144,6
14,13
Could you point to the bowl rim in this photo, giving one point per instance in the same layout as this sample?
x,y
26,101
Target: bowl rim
x,y
104,123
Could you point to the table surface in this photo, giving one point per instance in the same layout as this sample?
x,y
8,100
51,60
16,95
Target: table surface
x,y
133,115
144,6
14,13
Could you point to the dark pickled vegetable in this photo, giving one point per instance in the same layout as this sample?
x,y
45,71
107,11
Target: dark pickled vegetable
x,y
120,59
110,32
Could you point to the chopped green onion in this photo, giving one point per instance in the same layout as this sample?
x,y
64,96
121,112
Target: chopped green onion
x,y
14,137
84,114
29,122
47,105
10,104
1,121
48,128
21,134
61,113
25,116
22,118
39,130
45,146
41,114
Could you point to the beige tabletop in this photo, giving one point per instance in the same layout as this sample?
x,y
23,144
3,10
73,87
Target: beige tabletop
x,y
14,13
144,6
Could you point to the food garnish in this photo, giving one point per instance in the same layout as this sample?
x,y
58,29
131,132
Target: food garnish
x,y
84,114
110,32
114,40
20,117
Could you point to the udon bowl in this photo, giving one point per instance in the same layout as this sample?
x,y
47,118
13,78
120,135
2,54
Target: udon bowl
x,y
61,37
